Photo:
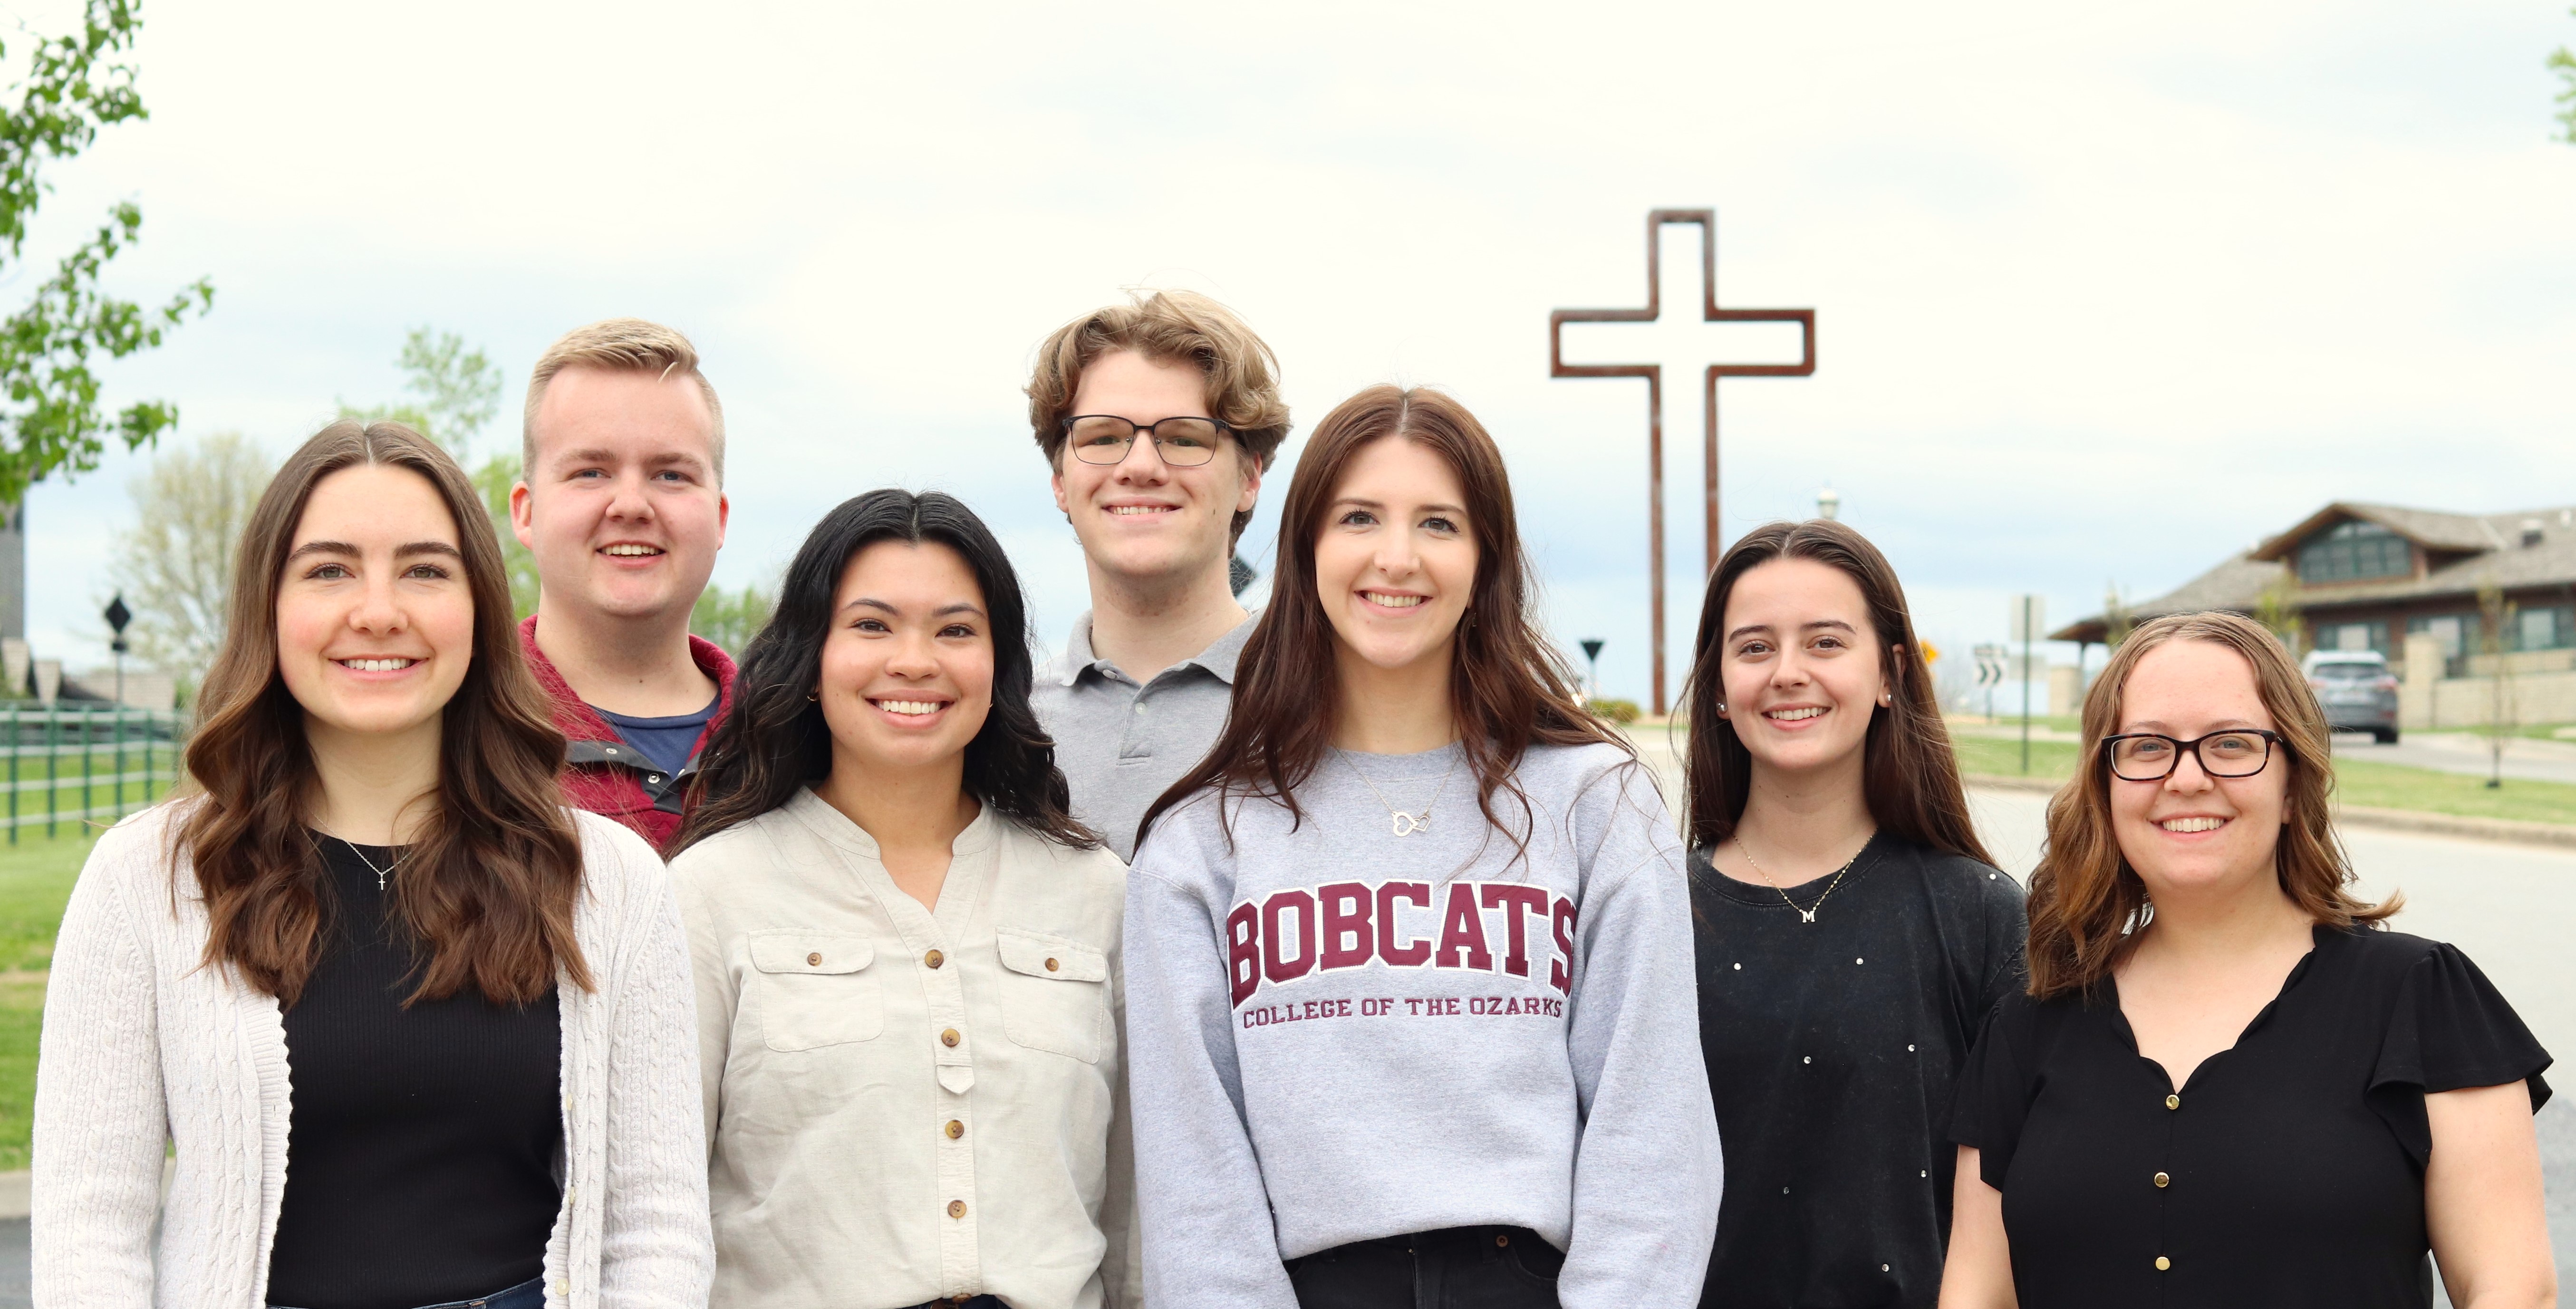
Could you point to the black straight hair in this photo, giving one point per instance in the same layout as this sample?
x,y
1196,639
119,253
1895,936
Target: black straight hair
x,y
775,742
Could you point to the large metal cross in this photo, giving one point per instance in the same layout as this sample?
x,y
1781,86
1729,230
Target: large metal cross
x,y
1654,375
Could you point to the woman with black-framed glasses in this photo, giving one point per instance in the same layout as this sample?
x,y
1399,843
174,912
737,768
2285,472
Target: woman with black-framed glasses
x,y
2227,1085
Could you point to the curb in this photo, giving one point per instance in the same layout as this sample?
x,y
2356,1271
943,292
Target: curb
x,y
2516,831
2485,829
13,1195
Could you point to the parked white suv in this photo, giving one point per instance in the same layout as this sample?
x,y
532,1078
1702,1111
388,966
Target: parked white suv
x,y
2356,689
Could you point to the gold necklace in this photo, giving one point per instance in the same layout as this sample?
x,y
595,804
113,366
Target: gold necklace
x,y
1808,914
1405,824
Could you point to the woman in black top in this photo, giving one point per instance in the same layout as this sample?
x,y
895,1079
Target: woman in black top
x,y
419,1034
2228,1086
1852,933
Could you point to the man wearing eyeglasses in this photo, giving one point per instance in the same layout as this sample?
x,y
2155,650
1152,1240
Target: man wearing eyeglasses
x,y
1158,417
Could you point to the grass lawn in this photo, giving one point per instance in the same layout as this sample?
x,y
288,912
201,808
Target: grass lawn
x,y
35,881
2388,786
2053,760
2371,785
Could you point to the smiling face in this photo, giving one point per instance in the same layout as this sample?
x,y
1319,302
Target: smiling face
x,y
2192,832
622,508
1802,665
907,676
1395,564
1141,518
375,626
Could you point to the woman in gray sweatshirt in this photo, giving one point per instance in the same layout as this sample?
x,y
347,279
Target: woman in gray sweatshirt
x,y
1409,955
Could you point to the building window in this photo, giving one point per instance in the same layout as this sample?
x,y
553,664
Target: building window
x,y
2352,636
2354,550
2458,634
2545,629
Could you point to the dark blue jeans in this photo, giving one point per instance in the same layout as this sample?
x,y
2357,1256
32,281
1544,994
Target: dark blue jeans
x,y
530,1294
1456,1268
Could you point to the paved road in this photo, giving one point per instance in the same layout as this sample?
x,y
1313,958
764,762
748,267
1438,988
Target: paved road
x,y
2466,752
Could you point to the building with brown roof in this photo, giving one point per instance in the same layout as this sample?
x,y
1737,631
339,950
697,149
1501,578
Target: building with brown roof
x,y
2368,576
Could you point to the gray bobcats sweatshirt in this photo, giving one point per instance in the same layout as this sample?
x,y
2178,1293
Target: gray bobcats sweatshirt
x,y
1337,1033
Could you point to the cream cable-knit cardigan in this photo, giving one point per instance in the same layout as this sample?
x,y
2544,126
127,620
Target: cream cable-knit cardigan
x,y
143,1046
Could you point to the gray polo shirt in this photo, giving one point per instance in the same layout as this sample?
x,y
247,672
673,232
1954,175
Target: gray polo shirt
x,y
1122,745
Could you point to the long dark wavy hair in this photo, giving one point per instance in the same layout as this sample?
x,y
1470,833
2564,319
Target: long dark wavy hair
x,y
1909,777
775,741
487,892
1508,688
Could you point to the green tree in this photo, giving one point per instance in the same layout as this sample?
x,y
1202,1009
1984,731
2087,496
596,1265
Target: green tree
x,y
458,388
2278,608
731,618
50,419
458,393
175,565
2496,617
2564,62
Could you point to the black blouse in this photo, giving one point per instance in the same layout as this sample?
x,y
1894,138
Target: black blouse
x,y
422,1145
2288,1171
1832,1047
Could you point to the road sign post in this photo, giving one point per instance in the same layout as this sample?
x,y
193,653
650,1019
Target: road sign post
x,y
1990,673
2029,614
1592,656
117,616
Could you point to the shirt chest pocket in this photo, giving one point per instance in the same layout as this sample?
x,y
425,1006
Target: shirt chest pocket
x,y
1055,994
815,989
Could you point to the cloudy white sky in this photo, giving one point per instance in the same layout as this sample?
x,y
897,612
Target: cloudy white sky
x,y
2104,293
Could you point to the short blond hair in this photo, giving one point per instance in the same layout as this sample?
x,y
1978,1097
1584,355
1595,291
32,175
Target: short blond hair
x,y
1172,327
619,345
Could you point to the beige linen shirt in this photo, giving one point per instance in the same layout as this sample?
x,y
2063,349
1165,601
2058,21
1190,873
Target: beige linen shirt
x,y
906,1104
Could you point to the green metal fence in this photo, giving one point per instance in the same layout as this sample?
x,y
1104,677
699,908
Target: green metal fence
x,y
70,763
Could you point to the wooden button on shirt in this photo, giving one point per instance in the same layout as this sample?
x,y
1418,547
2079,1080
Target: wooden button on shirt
x,y
2289,1171
839,1019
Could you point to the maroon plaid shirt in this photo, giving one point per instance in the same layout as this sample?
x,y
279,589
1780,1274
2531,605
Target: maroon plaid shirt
x,y
605,775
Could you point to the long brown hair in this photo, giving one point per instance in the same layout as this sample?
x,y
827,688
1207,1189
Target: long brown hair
x,y
1508,689
2086,903
1909,776
487,893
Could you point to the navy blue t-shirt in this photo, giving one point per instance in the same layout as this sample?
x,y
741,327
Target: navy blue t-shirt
x,y
668,742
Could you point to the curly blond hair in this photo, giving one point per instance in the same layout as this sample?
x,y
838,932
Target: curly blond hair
x,y
1174,327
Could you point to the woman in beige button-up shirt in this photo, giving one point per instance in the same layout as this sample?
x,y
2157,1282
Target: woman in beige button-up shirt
x,y
906,950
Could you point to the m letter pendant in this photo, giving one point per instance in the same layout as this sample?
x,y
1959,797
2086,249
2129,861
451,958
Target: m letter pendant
x,y
1406,824
1806,915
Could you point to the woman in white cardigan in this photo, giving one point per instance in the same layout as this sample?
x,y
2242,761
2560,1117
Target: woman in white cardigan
x,y
418,1034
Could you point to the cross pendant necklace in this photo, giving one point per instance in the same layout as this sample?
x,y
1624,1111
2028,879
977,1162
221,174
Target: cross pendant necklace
x,y
381,873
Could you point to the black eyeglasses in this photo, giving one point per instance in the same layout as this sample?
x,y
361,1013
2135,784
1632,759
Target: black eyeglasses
x,y
2152,757
1180,442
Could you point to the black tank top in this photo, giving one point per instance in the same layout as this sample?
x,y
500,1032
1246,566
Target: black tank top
x,y
421,1158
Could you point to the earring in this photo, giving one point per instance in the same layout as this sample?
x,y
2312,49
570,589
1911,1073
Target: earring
x,y
1721,708
814,696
